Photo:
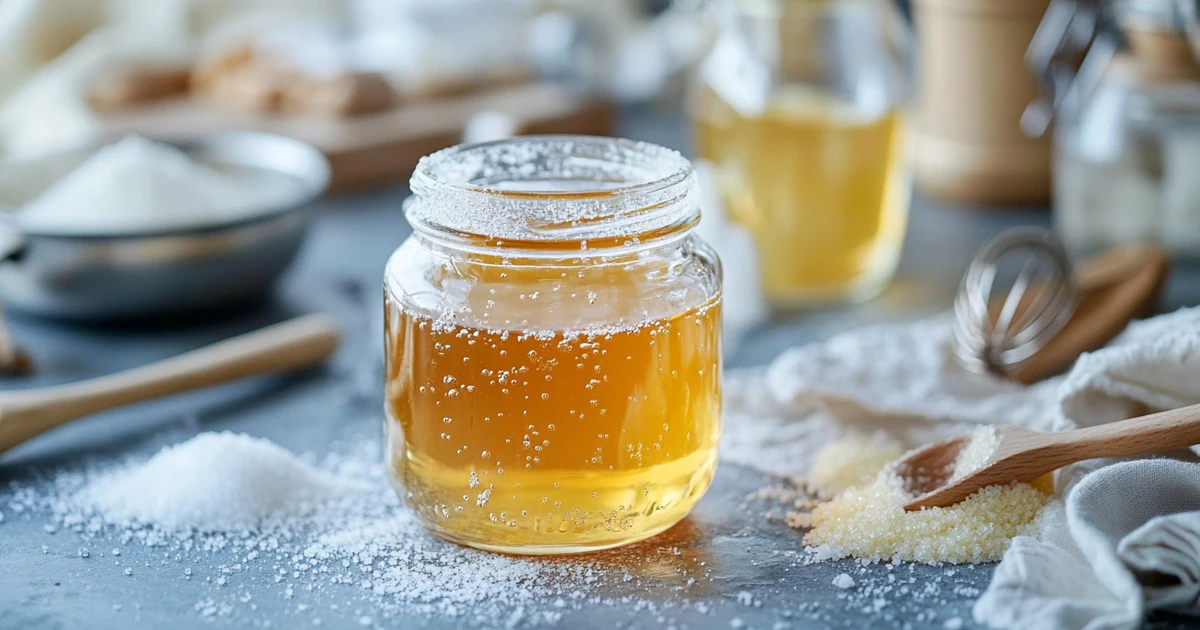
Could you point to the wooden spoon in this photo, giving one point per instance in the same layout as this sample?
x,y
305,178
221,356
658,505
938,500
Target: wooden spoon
x,y
297,343
1024,455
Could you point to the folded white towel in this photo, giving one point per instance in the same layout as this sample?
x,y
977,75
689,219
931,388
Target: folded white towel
x,y
1137,526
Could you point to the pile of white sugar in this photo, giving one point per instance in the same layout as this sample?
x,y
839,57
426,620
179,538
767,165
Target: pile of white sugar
x,y
136,185
226,508
214,482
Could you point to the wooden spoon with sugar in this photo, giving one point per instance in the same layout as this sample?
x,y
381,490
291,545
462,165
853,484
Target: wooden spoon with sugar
x,y
1023,455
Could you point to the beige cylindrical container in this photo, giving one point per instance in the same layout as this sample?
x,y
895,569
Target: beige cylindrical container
x,y
973,88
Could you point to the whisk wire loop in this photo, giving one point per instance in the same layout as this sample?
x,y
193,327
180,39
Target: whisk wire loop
x,y
1035,306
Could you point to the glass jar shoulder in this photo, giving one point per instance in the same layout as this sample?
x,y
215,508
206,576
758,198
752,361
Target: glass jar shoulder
x,y
579,293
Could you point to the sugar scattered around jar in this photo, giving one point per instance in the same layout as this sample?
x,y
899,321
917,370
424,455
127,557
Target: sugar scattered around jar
x,y
221,503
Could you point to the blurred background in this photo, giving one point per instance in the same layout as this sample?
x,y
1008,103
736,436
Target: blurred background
x,y
168,158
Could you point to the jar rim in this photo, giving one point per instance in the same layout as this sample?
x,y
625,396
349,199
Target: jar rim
x,y
553,188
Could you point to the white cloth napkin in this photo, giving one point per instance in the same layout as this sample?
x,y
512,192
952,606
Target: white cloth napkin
x,y
1137,526
903,379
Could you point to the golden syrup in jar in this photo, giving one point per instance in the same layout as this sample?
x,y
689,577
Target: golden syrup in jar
x,y
559,440
823,191
552,345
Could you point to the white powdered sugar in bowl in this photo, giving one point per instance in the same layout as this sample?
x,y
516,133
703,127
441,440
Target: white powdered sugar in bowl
x,y
137,185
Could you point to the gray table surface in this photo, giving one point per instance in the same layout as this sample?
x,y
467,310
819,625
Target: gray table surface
x,y
44,584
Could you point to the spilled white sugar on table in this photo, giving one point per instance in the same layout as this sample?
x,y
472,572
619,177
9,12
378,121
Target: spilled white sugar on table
x,y
332,524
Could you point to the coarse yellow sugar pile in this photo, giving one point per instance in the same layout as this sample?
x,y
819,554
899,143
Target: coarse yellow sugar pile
x,y
850,462
868,520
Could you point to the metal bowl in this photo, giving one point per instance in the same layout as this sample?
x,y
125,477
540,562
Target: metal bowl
x,y
147,274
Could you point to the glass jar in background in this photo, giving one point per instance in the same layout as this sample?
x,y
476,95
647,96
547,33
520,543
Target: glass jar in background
x,y
800,107
1127,145
552,345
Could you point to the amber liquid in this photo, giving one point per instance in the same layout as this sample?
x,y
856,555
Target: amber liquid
x,y
824,193
554,441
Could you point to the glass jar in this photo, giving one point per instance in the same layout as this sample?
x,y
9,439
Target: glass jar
x,y
800,109
552,345
1126,150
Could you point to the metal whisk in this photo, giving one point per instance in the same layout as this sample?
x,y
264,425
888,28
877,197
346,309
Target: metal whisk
x,y
1038,303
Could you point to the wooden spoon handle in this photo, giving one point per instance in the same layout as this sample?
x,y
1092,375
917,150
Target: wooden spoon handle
x,y
297,343
1154,433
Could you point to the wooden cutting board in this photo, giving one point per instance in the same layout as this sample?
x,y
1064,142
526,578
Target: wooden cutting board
x,y
378,149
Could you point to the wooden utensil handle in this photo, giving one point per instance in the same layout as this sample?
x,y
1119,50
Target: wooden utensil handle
x,y
297,343
1153,433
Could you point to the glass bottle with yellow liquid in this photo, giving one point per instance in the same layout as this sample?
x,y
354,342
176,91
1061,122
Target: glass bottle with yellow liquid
x,y
800,109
